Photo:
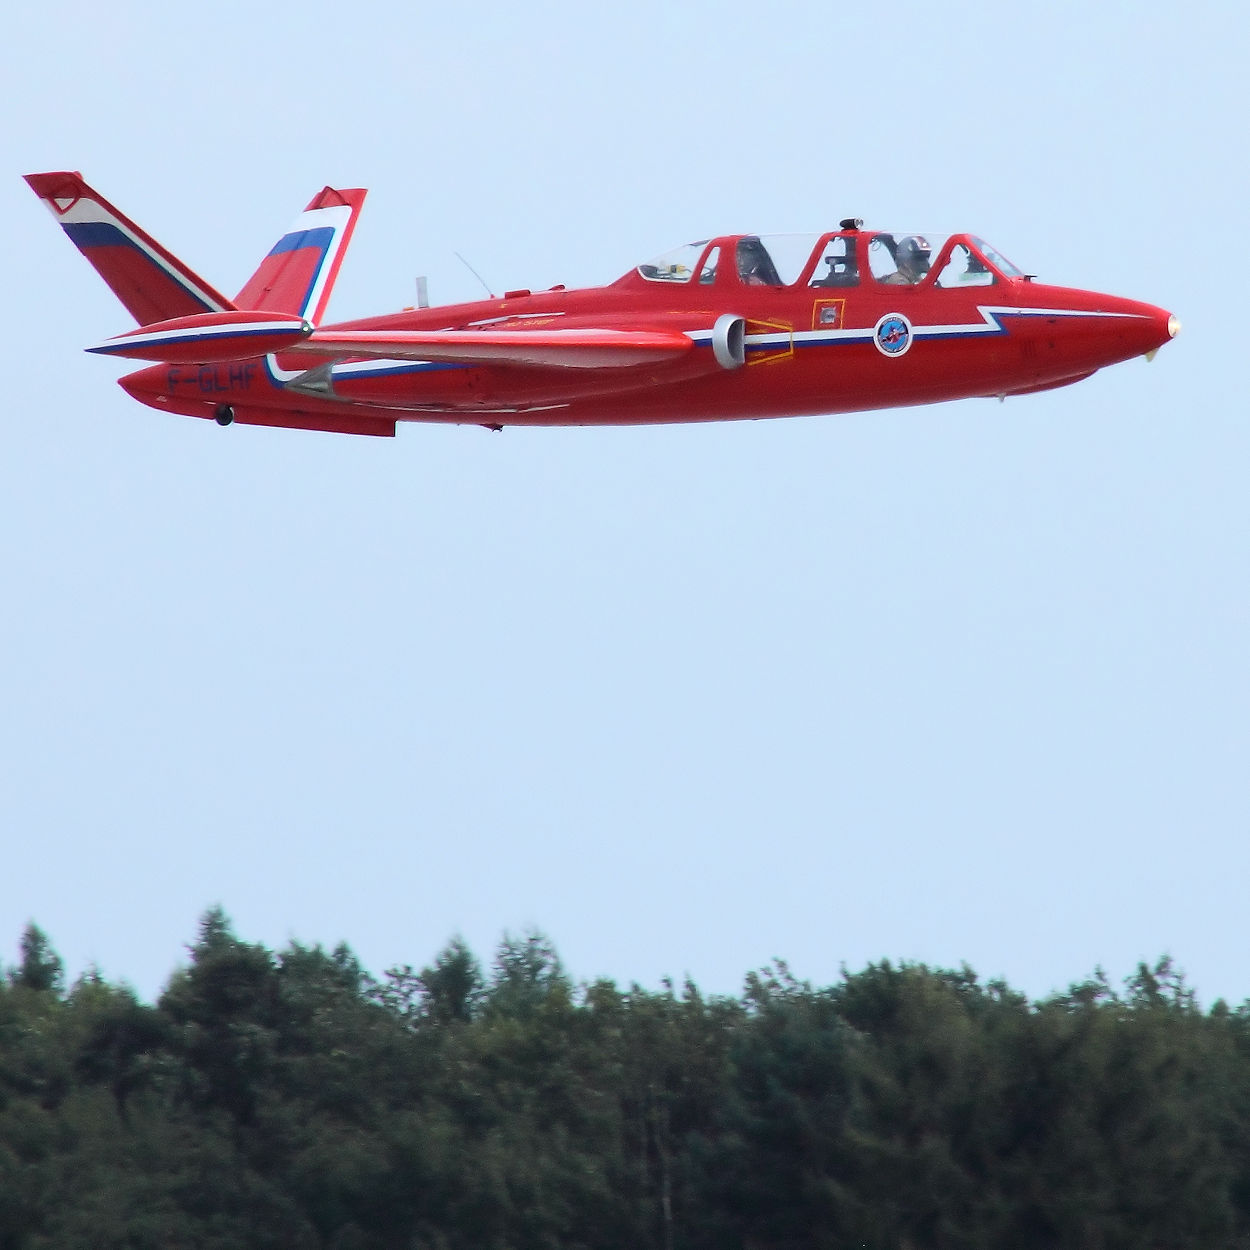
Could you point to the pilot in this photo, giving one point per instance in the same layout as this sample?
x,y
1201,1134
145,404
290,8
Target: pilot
x,y
755,266
911,260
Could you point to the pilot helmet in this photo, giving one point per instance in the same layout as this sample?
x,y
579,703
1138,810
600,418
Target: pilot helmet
x,y
913,254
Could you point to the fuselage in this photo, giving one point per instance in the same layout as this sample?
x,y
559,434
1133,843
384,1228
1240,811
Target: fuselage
x,y
842,331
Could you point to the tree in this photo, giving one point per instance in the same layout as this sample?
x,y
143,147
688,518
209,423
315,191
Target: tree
x,y
123,1043
224,1008
448,991
40,967
528,973
453,986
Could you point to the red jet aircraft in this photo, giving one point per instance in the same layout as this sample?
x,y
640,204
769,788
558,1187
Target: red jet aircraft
x,y
740,326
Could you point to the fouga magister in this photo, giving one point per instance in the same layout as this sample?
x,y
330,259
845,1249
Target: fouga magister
x,y
735,327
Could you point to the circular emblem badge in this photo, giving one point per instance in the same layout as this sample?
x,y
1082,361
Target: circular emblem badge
x,y
892,334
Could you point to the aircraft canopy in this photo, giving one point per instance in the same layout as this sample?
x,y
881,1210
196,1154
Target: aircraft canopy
x,y
837,258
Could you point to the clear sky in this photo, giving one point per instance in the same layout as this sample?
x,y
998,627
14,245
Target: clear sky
x,y
961,683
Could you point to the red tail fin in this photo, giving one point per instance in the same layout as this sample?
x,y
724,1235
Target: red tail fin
x,y
152,282
298,274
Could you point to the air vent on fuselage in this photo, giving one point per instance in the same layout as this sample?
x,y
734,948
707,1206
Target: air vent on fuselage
x,y
729,336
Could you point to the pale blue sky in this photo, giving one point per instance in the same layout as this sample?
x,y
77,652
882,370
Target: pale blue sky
x,y
965,683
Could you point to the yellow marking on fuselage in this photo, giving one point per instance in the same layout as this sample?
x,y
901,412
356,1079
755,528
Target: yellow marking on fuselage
x,y
773,354
828,314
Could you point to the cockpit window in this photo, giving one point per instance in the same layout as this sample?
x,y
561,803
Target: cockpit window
x,y
791,253
775,259
675,266
964,268
708,272
771,260
899,259
997,259
755,265
838,264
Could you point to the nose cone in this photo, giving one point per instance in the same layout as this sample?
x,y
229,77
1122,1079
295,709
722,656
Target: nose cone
x,y
1138,329
1094,330
1173,328
1066,334
1165,326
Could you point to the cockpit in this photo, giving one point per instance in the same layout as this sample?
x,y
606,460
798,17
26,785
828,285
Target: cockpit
x,y
843,258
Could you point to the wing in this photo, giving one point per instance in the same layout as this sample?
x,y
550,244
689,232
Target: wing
x,y
559,349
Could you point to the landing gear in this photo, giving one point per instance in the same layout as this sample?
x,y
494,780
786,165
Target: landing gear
x,y
224,414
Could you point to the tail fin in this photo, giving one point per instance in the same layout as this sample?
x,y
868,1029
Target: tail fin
x,y
153,284
298,274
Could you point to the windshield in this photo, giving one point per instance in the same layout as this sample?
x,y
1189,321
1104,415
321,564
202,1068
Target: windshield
x,y
996,258
676,265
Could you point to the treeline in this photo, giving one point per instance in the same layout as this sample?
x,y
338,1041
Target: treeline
x,y
290,1100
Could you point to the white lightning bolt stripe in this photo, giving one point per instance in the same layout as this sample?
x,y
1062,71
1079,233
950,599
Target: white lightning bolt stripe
x,y
989,324
991,320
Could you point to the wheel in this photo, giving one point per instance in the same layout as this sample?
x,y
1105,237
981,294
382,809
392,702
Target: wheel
x,y
224,414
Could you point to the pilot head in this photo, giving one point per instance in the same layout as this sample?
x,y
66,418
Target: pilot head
x,y
912,257
751,256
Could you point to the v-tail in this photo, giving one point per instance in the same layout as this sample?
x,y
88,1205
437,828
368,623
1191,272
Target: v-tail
x,y
182,317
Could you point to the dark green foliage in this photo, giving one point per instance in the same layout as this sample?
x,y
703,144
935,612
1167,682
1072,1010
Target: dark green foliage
x,y
450,991
288,1100
40,967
